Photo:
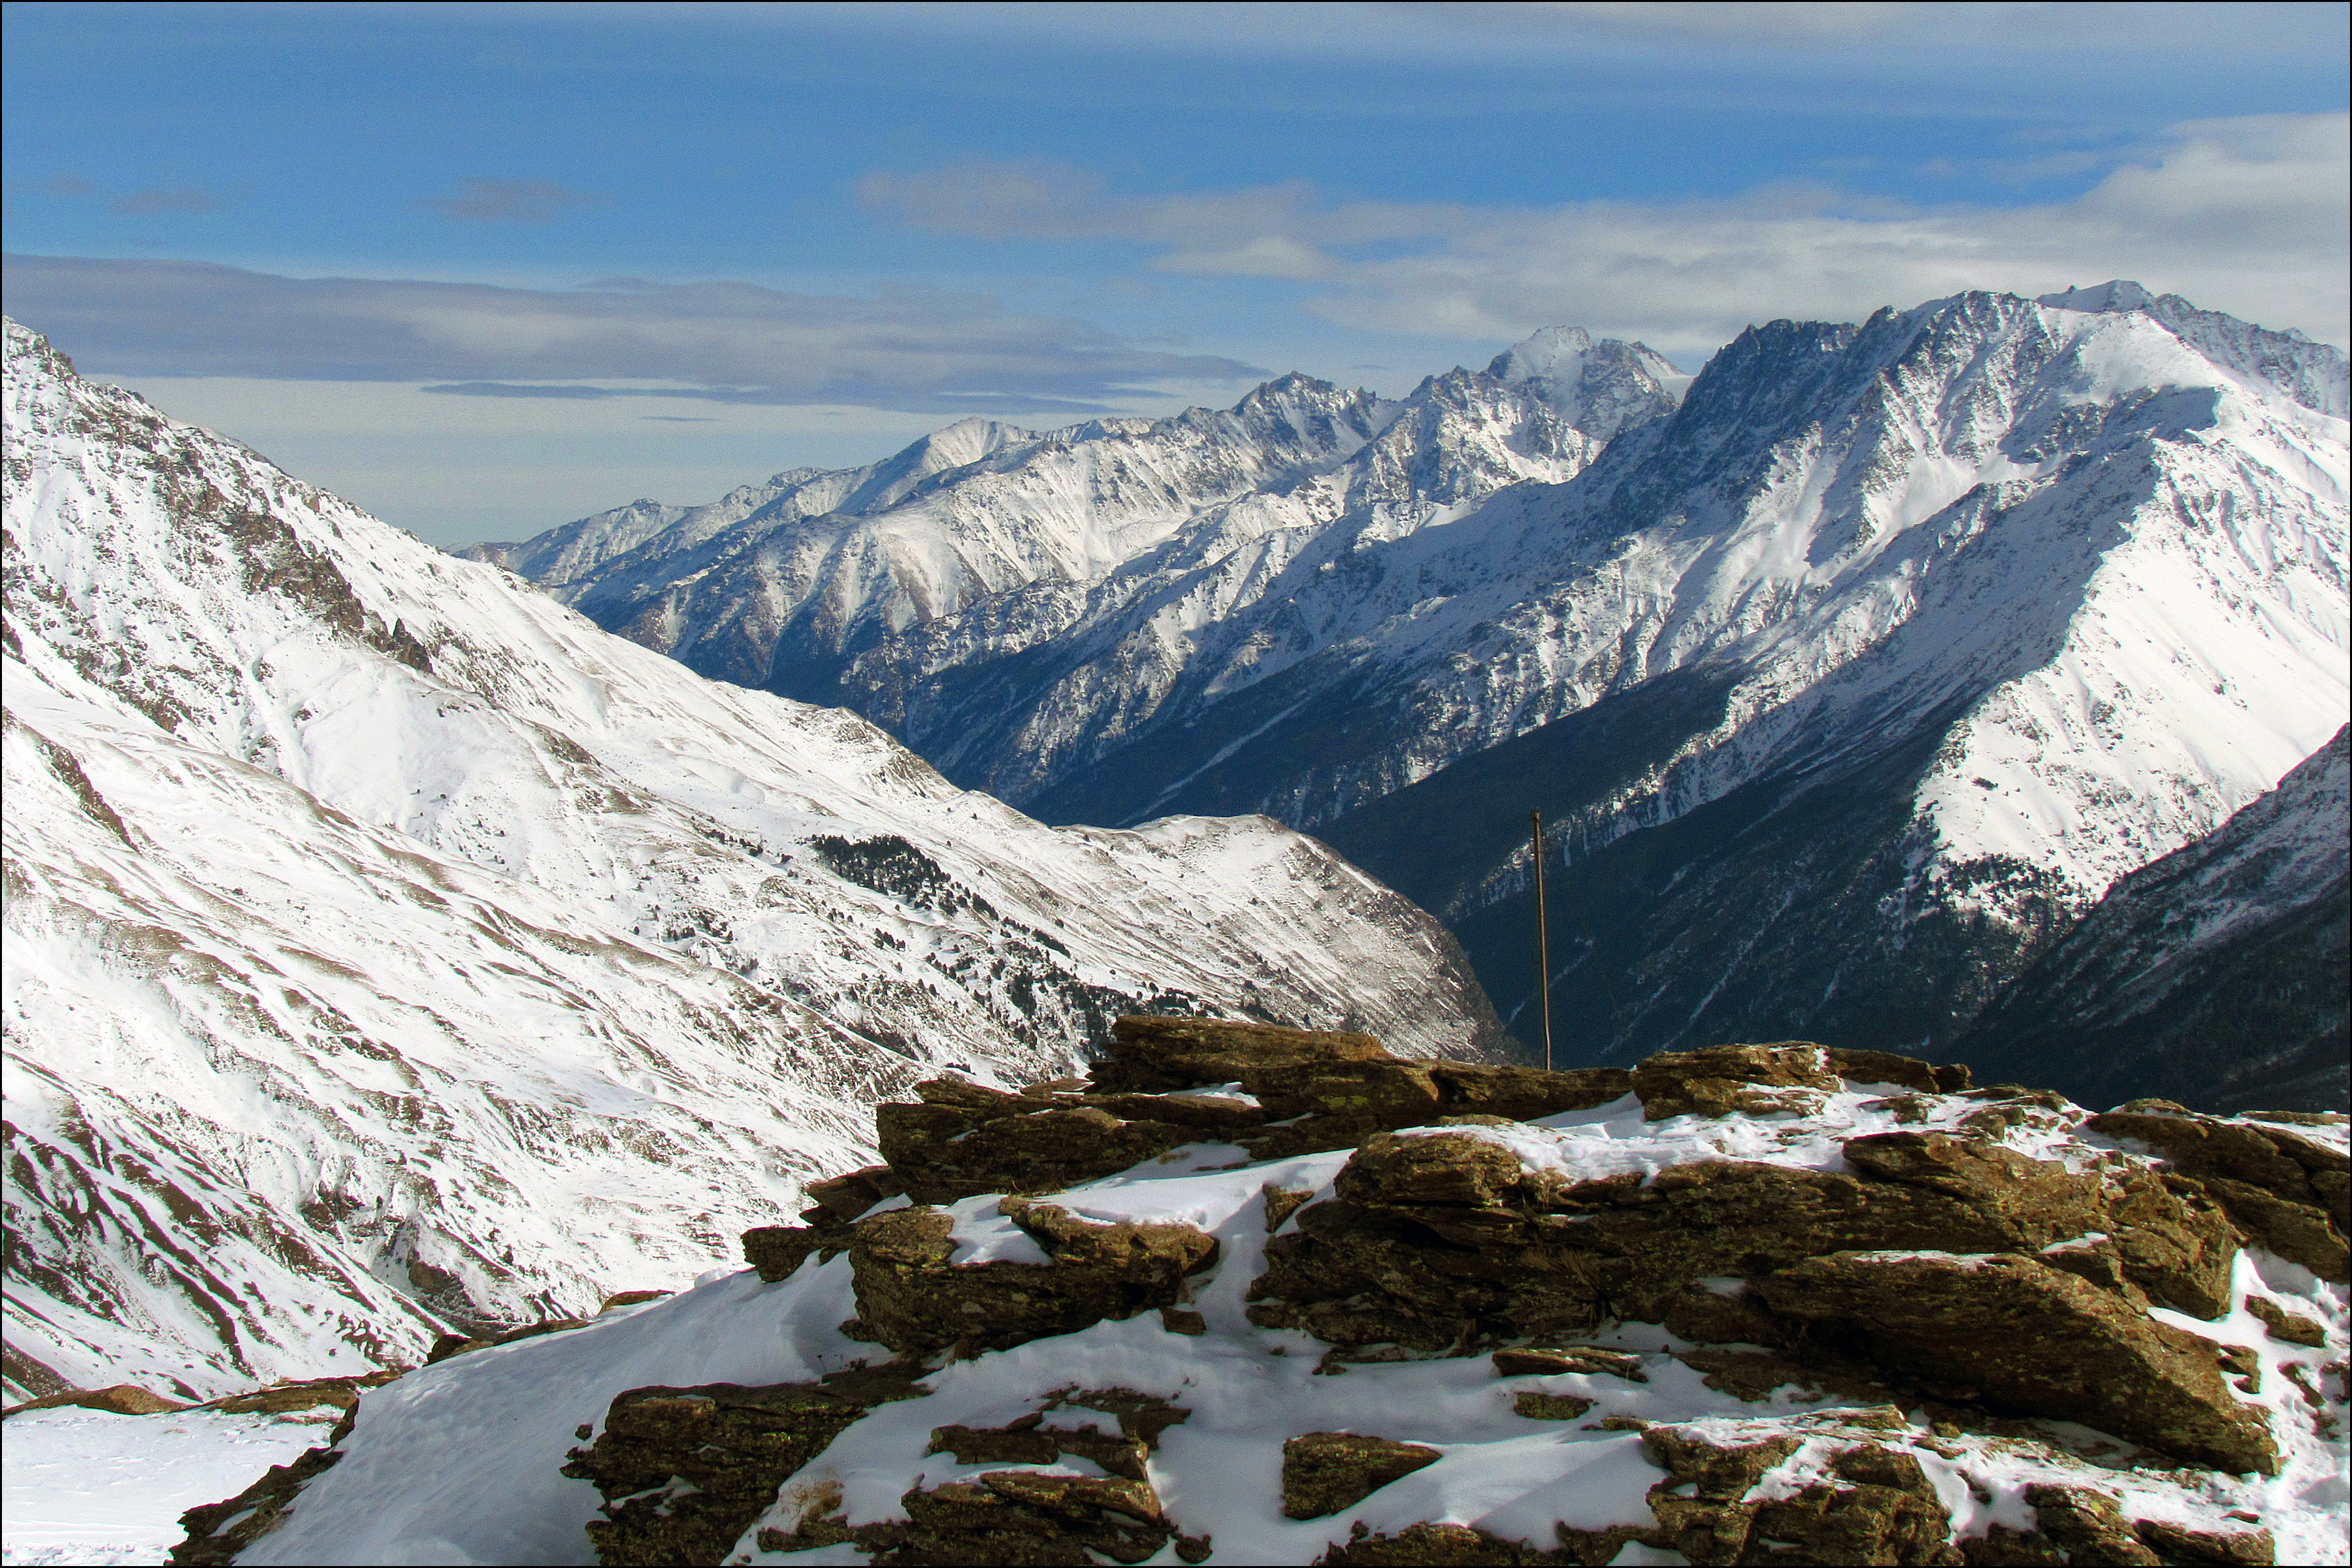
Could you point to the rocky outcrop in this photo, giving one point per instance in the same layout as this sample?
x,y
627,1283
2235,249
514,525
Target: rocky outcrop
x,y
1886,1289
2290,1193
685,1471
1446,1239
1163,1082
913,1297
2019,1337
218,1532
1326,1472
120,1399
1022,1516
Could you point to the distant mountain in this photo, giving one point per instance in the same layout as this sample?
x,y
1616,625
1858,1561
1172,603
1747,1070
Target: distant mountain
x,y
387,948
1850,672
2220,976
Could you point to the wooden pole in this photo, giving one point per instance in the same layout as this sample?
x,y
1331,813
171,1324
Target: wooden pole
x,y
1543,938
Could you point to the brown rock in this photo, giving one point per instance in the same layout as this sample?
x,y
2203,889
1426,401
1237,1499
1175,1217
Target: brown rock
x,y
218,1532
1524,1094
2024,1338
2075,1525
2286,1192
912,1298
1021,1517
2173,1543
1725,1080
2177,1250
1588,1359
1281,1202
1537,1405
846,1198
632,1298
1453,1546
1154,1054
961,1146
312,1394
685,1471
448,1345
1882,1509
2282,1324
779,1250
119,1398
1029,1442
1326,1473
1886,1067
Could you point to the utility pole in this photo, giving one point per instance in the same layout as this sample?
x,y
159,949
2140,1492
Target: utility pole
x,y
1543,939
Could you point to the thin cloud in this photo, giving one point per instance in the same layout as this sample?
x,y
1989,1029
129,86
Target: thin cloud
x,y
510,200
156,199
67,185
917,351
2247,215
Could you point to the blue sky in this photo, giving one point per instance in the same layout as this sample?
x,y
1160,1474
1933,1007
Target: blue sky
x,y
484,268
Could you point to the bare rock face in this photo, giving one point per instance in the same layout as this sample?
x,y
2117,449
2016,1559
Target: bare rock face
x,y
2076,1524
1876,1296
2021,1338
1322,1089
1155,1055
2289,1193
1326,1473
1022,1517
912,1297
1735,1080
685,1471
1445,1239
121,1399
218,1532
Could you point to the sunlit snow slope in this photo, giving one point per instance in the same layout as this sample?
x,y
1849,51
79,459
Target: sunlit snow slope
x,y
388,947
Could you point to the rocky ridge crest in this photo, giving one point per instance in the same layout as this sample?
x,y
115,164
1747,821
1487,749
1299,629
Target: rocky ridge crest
x,y
1266,1295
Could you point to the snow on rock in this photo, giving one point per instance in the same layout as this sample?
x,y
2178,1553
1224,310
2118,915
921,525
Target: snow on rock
x,y
753,1422
388,949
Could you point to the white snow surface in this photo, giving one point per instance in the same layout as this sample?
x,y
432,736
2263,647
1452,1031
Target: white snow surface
x,y
389,947
456,1463
91,1487
2106,530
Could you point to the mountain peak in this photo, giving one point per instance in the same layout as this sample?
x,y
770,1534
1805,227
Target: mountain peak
x,y
1547,351
2116,294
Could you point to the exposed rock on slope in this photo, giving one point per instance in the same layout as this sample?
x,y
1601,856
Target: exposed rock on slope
x,y
1886,1318
391,951
2217,975
1852,677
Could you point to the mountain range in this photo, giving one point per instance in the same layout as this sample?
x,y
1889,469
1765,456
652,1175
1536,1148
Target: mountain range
x,y
389,949
1851,674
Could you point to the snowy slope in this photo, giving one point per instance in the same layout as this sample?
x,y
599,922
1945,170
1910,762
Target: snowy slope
x,y
384,939
2240,933
1890,651
462,1461
1965,612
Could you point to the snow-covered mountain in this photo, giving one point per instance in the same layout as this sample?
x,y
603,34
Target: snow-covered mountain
x,y
388,947
2239,937
1850,672
1877,663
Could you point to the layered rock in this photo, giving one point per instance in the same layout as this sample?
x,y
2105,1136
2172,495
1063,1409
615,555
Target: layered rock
x,y
1883,1293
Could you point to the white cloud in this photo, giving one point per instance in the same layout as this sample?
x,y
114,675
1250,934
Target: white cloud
x,y
2246,215
723,341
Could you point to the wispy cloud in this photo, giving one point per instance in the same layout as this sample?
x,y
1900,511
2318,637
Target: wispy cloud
x,y
907,348
2245,215
510,200
157,199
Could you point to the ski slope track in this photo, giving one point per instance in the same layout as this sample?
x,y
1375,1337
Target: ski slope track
x,y
389,949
